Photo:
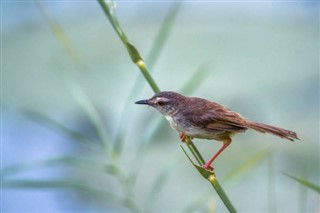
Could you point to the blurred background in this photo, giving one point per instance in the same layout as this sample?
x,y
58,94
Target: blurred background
x,y
74,141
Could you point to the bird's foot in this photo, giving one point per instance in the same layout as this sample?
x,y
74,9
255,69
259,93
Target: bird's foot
x,y
208,167
182,136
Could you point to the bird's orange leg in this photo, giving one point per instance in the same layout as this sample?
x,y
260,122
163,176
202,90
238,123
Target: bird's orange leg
x,y
225,145
182,136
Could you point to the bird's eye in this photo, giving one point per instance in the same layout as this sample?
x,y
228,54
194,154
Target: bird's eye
x,y
161,103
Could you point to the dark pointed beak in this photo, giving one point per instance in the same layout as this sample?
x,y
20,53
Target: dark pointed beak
x,y
145,102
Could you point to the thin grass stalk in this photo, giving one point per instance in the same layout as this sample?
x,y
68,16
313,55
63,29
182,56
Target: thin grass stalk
x,y
215,183
212,178
137,59
153,55
163,34
194,151
61,37
304,182
133,52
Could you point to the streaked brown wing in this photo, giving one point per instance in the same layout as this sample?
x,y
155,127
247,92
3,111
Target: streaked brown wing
x,y
212,116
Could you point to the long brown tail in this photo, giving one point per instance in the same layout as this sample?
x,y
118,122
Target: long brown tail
x,y
264,128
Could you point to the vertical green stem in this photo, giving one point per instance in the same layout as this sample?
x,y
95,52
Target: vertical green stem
x,y
137,59
133,52
214,182
194,151
146,74
210,176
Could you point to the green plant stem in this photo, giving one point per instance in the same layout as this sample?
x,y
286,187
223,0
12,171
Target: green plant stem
x,y
147,76
194,151
215,183
151,59
133,52
211,177
137,59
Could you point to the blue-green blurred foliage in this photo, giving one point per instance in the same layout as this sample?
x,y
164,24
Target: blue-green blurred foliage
x,y
263,61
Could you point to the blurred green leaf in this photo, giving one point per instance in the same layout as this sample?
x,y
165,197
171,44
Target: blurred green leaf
x,y
303,191
46,184
272,198
60,161
83,101
62,37
244,168
163,34
304,182
119,140
150,132
73,134
160,182
90,111
195,80
198,203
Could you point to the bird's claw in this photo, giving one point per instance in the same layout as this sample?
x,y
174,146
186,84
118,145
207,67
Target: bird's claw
x,y
208,167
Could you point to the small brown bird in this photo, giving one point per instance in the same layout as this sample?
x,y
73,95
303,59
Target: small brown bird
x,y
200,118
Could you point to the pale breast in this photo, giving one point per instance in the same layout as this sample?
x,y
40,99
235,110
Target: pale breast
x,y
191,130
173,124
181,126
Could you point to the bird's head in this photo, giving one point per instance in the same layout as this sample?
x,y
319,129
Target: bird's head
x,y
165,102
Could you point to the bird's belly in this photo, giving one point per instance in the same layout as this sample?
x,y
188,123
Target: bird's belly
x,y
198,133
192,131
